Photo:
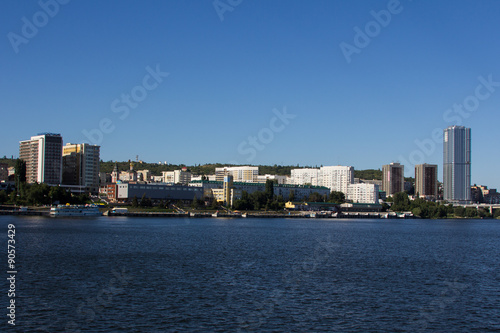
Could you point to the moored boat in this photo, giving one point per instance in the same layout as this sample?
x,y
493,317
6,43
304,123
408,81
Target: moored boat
x,y
75,210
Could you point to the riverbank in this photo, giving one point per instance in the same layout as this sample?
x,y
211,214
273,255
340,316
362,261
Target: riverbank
x,y
45,211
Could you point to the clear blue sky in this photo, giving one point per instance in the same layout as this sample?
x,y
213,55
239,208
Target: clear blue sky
x,y
227,76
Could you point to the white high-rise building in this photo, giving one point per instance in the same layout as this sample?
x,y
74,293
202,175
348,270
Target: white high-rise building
x,y
363,193
336,178
304,176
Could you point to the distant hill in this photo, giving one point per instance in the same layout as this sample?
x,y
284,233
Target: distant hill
x,y
368,174
200,169
11,162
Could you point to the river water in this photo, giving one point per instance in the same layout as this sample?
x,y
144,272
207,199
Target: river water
x,y
118,274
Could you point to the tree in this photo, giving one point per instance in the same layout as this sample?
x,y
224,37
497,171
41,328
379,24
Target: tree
x,y
243,203
497,214
258,200
59,195
215,204
483,213
401,202
471,212
269,189
135,202
442,212
161,204
37,194
20,170
291,196
197,203
3,197
459,211
336,197
145,201
315,197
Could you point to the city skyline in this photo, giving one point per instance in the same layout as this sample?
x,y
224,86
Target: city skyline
x,y
263,83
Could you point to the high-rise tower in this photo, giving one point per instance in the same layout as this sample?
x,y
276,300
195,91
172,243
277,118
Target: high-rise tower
x,y
81,166
456,163
43,157
393,179
426,180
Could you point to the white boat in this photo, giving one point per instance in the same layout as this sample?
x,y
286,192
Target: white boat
x,y
75,210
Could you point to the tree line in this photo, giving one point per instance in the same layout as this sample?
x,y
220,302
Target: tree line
x,y
433,210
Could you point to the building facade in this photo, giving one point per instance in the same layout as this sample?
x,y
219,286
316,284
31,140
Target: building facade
x,y
393,180
126,192
43,157
240,173
278,179
298,192
81,166
426,183
182,176
363,193
336,178
304,176
457,163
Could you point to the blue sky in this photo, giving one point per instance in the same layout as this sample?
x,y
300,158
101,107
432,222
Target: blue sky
x,y
228,80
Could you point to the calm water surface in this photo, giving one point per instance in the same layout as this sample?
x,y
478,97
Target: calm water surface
x,y
266,275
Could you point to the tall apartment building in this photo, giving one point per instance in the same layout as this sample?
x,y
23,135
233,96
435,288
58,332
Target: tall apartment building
x,y
81,166
240,174
426,183
393,180
43,157
305,176
456,163
363,193
336,178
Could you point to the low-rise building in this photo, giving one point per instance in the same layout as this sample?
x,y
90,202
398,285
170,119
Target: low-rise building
x,y
126,192
143,175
